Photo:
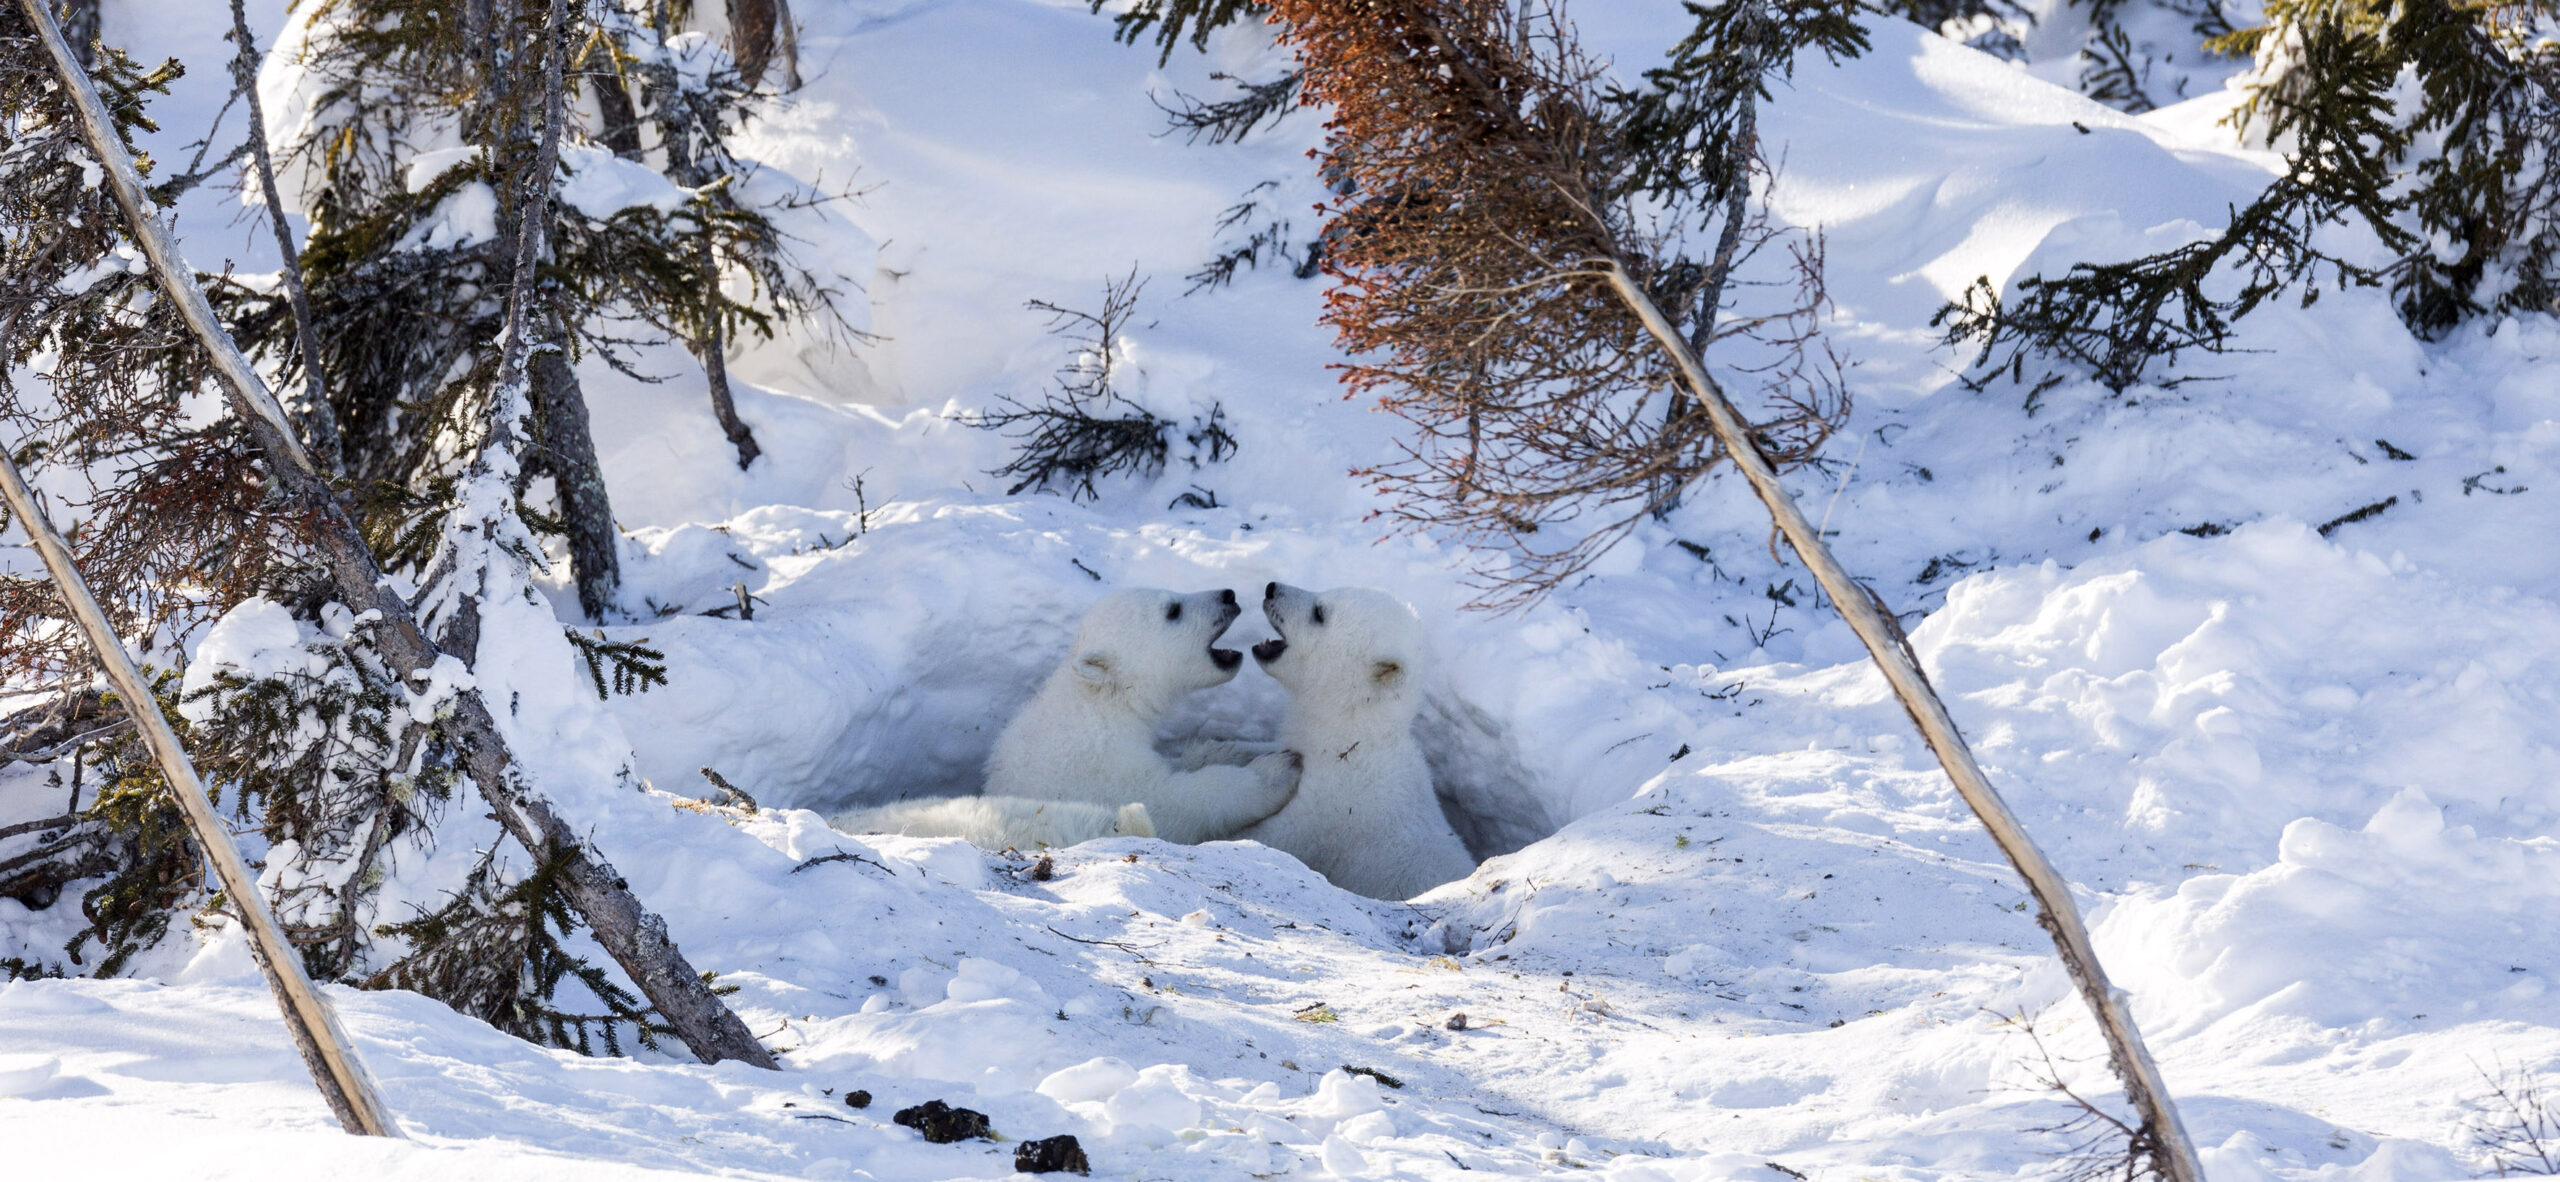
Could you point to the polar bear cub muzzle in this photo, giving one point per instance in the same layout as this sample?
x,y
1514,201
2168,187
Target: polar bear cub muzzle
x,y
1169,633
1378,630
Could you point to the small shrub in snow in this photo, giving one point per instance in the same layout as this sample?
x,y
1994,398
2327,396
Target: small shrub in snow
x,y
1083,430
2514,1129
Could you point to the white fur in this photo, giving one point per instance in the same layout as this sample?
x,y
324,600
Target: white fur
x,y
1000,822
1364,816
1089,733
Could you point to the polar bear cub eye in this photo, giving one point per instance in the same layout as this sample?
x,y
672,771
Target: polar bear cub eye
x,y
1317,614
1173,611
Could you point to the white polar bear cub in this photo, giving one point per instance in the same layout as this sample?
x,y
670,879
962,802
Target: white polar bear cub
x,y
998,822
1089,734
1364,816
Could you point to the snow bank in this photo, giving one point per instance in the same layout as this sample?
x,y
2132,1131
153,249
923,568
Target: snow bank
x,y
1738,925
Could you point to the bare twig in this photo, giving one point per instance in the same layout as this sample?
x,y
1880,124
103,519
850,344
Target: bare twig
x,y
843,856
317,416
1122,945
2514,1126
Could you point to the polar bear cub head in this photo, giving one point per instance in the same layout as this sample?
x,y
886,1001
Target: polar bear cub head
x,y
1156,644
1351,652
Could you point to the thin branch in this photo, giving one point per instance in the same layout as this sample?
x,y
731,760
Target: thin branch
x,y
317,417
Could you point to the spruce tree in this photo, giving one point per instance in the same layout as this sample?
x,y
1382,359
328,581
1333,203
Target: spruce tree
x,y
394,129
1499,288
2431,125
343,751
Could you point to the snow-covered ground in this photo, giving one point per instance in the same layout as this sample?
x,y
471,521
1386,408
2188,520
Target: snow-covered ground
x,y
1739,927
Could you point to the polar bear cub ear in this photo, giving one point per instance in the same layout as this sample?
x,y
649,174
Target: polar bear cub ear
x,y
1134,822
1093,665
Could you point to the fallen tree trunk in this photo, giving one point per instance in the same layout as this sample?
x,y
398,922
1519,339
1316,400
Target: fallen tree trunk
x,y
1891,650
325,1050
635,937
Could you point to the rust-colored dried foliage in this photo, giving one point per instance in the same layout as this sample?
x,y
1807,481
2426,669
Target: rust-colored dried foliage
x,y
106,402
1483,192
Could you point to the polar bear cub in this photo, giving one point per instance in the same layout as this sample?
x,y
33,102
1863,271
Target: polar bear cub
x,y
1089,734
1365,816
999,822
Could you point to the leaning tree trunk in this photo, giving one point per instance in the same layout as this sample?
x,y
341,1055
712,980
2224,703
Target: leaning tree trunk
x,y
1891,650
568,448
635,937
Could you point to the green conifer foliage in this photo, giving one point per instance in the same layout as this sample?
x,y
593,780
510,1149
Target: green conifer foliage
x,y
2431,125
407,269
1688,129
494,952
2487,202
340,765
1170,22
329,740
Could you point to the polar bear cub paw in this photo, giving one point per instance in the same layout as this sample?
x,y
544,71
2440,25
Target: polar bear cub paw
x,y
1232,752
1275,781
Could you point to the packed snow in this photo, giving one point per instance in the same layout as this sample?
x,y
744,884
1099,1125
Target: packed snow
x,y
2299,763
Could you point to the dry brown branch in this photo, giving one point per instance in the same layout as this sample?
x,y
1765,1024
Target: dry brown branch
x,y
1486,202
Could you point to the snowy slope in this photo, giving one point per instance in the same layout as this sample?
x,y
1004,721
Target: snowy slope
x,y
2304,782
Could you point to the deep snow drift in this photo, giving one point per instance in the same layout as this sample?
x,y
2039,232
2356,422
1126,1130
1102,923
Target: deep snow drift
x,y
2304,779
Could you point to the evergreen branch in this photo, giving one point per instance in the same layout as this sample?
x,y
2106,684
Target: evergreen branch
x,y
1228,120
1173,20
635,665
